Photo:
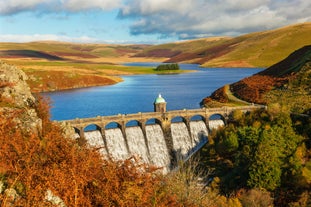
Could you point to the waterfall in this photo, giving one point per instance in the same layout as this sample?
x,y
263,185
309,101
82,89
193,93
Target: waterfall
x,y
159,155
116,144
214,124
184,142
198,134
136,141
95,139
181,140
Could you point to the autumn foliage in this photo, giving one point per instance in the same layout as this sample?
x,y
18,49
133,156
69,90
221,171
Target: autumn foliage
x,y
33,164
253,88
61,80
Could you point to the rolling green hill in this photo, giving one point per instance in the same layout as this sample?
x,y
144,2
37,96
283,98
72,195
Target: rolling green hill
x,y
66,50
46,61
287,83
260,49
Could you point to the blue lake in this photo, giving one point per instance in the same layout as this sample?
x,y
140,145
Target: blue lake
x,y
138,92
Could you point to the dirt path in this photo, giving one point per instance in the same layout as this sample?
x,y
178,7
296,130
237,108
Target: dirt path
x,y
233,98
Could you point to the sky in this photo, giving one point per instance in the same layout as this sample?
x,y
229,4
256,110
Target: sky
x,y
143,21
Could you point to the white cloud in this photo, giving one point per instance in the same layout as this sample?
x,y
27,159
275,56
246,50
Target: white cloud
x,y
45,37
79,5
191,18
11,7
181,18
63,38
15,6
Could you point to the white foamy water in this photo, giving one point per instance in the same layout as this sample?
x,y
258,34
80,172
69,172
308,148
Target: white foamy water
x,y
136,142
198,133
215,124
95,139
159,155
181,139
183,142
116,144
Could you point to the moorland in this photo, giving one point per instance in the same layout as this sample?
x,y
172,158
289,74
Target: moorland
x,y
62,65
261,158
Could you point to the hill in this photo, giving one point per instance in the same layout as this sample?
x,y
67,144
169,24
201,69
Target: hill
x,y
42,165
60,65
260,49
52,50
287,82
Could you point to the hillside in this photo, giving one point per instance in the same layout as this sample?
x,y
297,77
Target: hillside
x,y
259,160
52,50
288,82
59,65
41,165
260,49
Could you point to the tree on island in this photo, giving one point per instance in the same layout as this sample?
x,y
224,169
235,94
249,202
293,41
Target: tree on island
x,y
171,66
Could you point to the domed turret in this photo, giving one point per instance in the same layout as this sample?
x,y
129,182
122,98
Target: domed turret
x,y
159,104
159,99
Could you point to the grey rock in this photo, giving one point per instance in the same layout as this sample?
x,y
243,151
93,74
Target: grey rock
x,y
55,200
15,91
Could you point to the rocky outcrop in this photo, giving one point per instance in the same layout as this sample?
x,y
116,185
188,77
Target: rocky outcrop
x,y
16,100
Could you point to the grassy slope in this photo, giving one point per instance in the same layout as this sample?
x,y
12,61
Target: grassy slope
x,y
260,49
91,61
287,83
57,65
71,49
190,47
264,49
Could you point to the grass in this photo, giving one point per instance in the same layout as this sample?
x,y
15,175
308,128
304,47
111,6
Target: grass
x,y
259,49
193,46
58,75
263,49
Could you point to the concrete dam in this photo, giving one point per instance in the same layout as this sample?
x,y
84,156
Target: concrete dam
x,y
160,138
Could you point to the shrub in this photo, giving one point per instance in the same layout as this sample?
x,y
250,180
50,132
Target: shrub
x,y
256,198
33,164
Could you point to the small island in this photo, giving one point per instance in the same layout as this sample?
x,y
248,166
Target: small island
x,y
170,66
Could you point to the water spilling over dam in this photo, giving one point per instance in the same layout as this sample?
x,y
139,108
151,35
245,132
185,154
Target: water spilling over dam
x,y
152,149
159,138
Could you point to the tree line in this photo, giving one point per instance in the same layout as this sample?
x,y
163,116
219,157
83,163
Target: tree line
x,y
263,153
171,66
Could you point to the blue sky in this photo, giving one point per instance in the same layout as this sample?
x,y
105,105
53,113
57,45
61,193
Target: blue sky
x,y
143,21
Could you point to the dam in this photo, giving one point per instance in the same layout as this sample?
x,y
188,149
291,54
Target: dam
x,y
160,138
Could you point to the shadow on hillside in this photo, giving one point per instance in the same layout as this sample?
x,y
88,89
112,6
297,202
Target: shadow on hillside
x,y
29,53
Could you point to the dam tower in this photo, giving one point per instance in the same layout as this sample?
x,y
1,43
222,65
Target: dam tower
x,y
159,104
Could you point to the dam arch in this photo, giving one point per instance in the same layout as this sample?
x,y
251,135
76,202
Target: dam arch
x,y
153,121
197,117
132,123
217,116
92,127
178,119
153,136
112,125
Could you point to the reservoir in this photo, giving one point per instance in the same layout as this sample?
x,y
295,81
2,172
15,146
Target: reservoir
x,y
138,92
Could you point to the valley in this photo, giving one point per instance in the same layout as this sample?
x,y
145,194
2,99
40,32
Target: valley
x,y
84,65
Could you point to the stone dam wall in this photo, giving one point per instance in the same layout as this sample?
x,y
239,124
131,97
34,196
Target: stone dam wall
x,y
155,137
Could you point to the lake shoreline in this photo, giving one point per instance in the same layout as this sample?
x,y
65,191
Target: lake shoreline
x,y
136,93
116,80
